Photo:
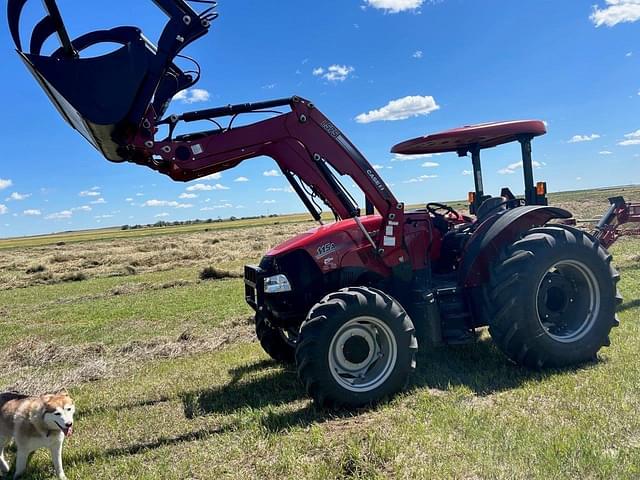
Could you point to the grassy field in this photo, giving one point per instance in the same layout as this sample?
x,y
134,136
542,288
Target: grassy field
x,y
170,383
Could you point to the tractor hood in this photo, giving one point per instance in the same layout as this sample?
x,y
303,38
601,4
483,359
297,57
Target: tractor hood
x,y
328,244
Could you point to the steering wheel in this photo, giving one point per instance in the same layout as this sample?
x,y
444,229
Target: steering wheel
x,y
436,208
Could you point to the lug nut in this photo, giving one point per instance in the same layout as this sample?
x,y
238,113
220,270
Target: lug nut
x,y
148,144
186,19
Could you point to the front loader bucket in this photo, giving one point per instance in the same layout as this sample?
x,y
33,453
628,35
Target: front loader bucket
x,y
105,97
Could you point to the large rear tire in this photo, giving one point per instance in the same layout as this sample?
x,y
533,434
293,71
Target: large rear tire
x,y
275,341
356,347
552,298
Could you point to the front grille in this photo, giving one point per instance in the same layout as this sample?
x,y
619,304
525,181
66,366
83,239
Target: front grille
x,y
253,285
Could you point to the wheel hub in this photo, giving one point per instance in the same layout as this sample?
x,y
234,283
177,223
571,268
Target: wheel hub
x,y
362,354
568,301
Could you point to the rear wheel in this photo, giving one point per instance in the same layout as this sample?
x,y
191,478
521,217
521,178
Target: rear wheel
x,y
552,298
278,343
356,347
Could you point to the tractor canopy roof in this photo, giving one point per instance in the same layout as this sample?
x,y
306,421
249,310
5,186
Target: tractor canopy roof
x,y
468,138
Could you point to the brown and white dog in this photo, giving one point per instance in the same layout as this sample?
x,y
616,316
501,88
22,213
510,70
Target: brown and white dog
x,y
33,423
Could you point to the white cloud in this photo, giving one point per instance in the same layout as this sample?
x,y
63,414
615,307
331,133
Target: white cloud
x,y
128,199
421,178
268,202
216,207
205,187
395,6
166,203
578,179
90,193
334,73
511,168
418,54
398,157
377,167
3,209
5,183
271,173
628,54
280,189
60,215
160,203
98,201
241,179
401,109
615,12
84,208
139,194
430,164
161,215
467,172
213,176
193,95
606,152
18,196
633,138
103,216
584,138
32,213
188,195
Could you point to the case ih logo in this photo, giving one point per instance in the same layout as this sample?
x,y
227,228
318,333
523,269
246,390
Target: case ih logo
x,y
376,180
330,128
326,249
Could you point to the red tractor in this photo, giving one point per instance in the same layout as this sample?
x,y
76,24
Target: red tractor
x,y
351,302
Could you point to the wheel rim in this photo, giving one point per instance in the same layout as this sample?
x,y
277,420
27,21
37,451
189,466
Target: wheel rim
x,y
568,301
362,354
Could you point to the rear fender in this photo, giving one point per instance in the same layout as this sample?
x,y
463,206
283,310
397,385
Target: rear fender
x,y
489,239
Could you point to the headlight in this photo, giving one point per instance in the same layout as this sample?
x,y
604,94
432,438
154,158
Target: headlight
x,y
277,284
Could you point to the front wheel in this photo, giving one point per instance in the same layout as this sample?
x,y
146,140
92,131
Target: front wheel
x,y
278,343
356,347
552,298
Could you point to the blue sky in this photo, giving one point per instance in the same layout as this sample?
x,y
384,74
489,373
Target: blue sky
x,y
382,70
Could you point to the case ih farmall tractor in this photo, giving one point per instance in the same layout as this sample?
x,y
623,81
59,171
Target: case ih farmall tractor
x,y
350,302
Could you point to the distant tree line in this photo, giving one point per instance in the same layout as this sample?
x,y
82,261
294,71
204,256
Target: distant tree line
x,y
162,223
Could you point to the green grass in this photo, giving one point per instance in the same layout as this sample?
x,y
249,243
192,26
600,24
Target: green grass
x,y
212,405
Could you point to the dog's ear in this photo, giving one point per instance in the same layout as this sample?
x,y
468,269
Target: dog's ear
x,y
63,391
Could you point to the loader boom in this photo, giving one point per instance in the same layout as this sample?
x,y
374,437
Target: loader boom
x,y
303,142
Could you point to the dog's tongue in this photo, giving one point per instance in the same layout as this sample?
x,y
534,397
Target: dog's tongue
x,y
68,432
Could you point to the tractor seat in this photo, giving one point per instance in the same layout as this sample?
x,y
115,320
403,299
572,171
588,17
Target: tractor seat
x,y
491,206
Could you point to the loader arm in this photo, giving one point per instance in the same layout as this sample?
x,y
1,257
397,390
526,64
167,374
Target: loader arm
x,y
303,142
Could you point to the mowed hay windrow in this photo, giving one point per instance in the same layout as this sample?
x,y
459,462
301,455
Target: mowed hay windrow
x,y
80,261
